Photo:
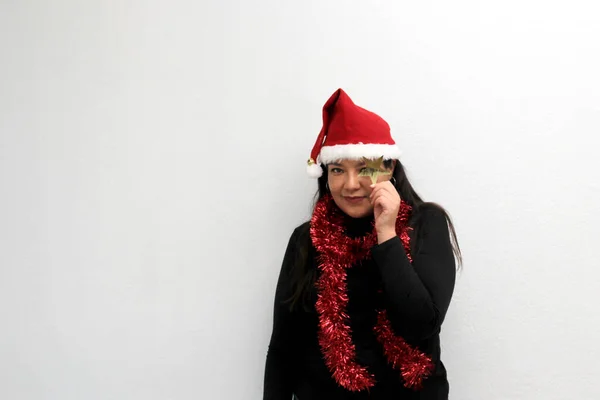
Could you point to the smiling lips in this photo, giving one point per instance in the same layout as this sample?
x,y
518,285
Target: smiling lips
x,y
354,199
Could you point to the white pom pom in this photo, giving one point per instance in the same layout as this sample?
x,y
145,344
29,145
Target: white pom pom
x,y
314,170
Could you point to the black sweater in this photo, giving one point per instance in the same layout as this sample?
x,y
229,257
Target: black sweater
x,y
416,297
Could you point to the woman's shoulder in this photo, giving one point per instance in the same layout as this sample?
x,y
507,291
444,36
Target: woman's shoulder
x,y
303,227
301,241
429,212
430,217
432,220
301,232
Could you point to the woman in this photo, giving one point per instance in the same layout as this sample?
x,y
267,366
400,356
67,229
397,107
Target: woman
x,y
366,283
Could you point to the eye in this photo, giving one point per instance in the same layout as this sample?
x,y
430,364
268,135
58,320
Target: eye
x,y
336,170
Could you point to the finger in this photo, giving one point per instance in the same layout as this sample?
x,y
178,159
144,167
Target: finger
x,y
386,205
377,188
385,198
383,193
383,203
389,189
375,194
388,200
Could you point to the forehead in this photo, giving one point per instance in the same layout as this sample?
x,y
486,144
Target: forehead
x,y
348,162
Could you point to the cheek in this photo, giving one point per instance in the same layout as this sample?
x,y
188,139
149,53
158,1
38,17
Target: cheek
x,y
334,187
334,183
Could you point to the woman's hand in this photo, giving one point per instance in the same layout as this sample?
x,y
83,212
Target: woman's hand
x,y
386,204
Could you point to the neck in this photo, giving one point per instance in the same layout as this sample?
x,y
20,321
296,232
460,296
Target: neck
x,y
358,226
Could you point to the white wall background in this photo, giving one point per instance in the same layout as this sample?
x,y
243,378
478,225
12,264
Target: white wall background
x,y
152,161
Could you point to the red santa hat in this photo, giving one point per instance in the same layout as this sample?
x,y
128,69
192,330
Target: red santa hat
x,y
350,132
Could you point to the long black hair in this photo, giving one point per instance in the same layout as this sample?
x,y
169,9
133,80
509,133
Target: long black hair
x,y
303,277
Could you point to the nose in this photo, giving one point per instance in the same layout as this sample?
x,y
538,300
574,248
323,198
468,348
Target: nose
x,y
352,181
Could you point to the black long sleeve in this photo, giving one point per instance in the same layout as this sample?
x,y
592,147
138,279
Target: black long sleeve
x,y
278,384
417,296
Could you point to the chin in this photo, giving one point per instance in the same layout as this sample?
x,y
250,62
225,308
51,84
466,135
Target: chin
x,y
356,212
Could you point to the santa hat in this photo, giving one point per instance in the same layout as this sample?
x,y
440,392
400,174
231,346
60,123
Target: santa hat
x,y
350,132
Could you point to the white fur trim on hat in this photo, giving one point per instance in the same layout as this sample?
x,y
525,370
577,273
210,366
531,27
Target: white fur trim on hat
x,y
330,154
314,170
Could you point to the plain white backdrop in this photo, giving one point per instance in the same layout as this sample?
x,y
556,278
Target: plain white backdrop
x,y
152,168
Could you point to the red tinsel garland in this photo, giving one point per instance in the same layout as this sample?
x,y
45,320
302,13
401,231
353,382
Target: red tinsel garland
x,y
337,252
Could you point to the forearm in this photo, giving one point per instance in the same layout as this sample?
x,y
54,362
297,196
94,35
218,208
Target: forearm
x,y
404,291
417,294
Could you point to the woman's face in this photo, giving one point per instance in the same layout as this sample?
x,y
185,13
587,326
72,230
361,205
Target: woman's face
x,y
350,191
